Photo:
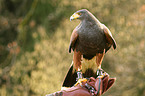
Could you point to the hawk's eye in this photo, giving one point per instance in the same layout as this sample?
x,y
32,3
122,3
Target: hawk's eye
x,y
79,13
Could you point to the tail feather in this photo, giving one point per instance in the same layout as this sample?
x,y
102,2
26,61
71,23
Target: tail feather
x,y
70,78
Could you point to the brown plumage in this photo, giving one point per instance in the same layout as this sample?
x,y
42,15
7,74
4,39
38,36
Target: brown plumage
x,y
89,39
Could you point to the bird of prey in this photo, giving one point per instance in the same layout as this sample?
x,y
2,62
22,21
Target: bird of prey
x,y
90,40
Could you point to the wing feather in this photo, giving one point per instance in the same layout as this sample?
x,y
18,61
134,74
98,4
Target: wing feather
x,y
109,37
73,39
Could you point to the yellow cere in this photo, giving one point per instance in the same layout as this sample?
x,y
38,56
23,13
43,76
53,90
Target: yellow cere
x,y
75,16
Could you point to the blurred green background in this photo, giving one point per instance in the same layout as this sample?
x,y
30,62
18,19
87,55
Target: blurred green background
x,y
34,40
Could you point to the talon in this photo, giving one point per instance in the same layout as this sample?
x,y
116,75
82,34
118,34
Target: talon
x,y
80,78
80,81
105,73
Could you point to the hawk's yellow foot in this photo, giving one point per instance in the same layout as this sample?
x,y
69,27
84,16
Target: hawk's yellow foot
x,y
80,78
80,81
101,73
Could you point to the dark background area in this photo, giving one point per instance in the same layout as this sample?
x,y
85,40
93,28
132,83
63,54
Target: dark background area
x,y
34,40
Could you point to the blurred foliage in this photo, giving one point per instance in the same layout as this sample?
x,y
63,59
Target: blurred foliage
x,y
34,40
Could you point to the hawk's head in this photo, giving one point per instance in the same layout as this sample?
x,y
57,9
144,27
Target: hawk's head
x,y
81,14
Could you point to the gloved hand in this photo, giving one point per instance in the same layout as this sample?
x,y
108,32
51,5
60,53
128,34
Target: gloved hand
x,y
92,87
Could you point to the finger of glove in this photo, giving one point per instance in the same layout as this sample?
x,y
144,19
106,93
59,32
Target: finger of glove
x,y
99,86
110,83
105,83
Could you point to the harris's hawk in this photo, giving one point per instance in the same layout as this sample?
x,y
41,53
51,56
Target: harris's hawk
x,y
90,40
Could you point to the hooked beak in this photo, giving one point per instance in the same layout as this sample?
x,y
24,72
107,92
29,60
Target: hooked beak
x,y
74,16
